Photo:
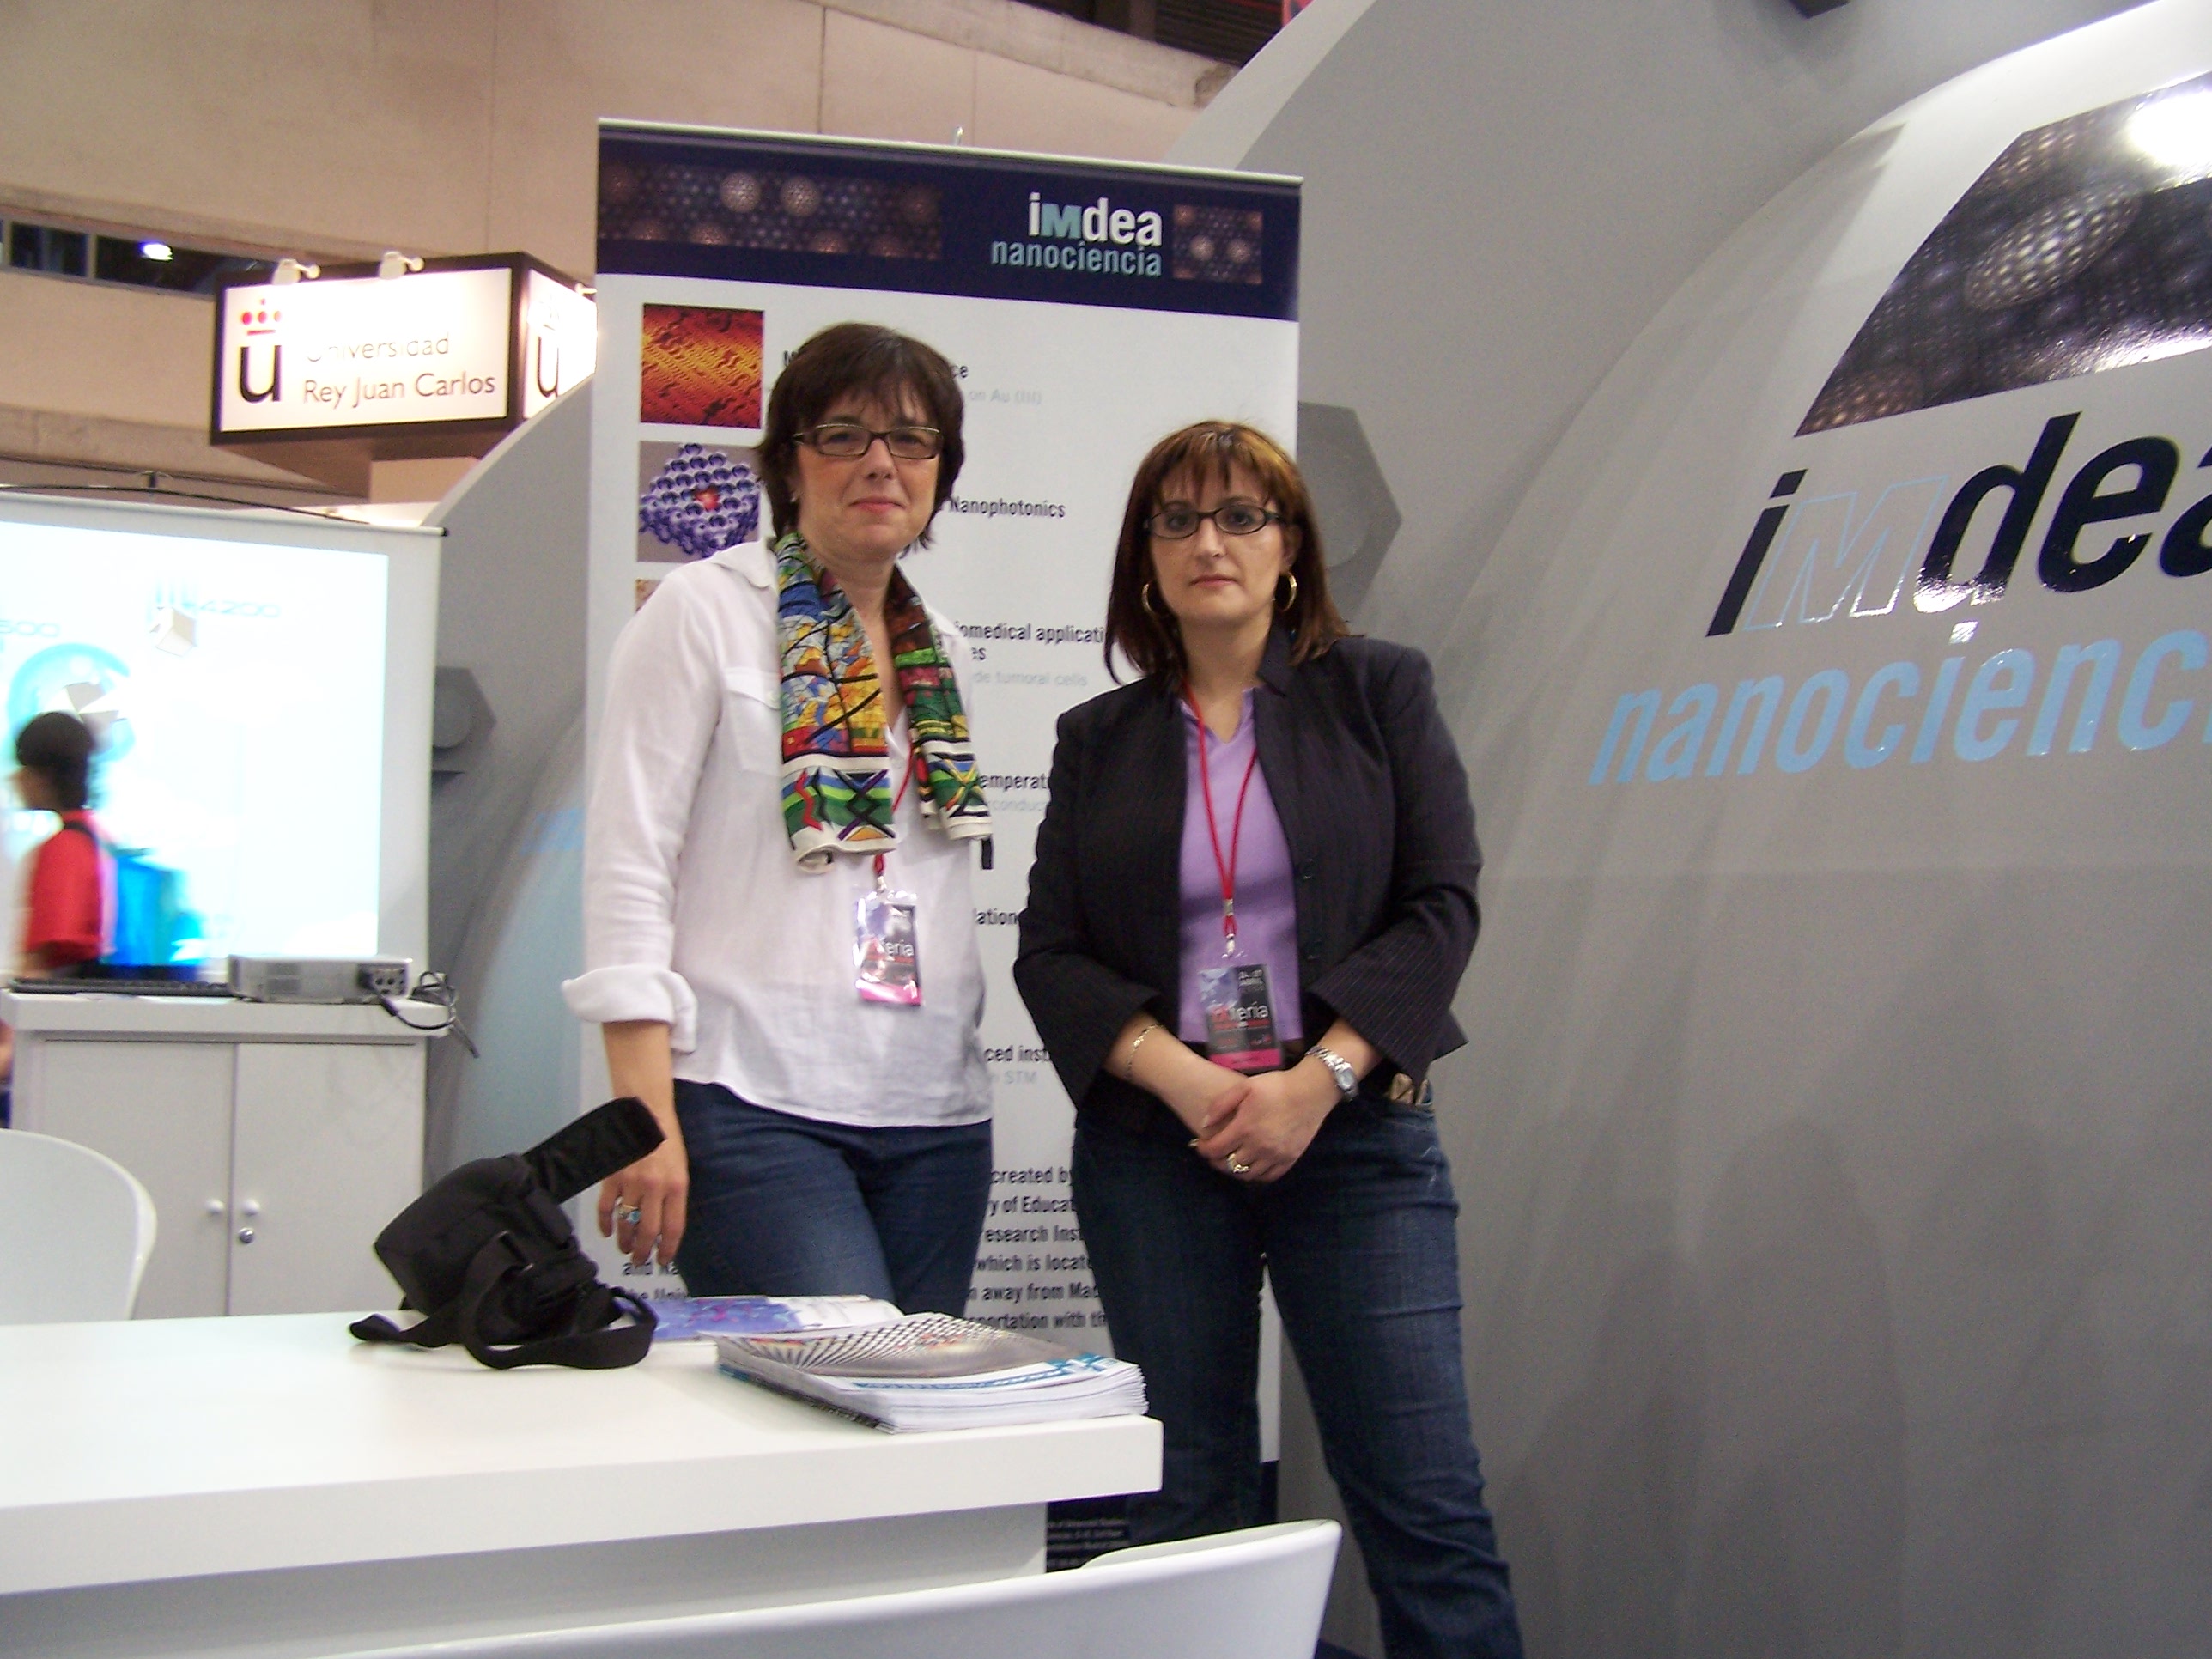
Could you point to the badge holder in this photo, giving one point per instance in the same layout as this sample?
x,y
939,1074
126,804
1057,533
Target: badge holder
x,y
1240,1016
886,967
886,964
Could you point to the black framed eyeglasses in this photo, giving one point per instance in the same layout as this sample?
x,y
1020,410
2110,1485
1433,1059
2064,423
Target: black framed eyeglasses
x,y
1177,522
847,441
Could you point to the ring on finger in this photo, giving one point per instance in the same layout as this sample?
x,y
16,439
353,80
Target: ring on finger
x,y
630,1217
1237,1166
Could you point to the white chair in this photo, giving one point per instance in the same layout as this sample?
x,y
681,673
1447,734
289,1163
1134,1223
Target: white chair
x,y
1256,1595
75,1230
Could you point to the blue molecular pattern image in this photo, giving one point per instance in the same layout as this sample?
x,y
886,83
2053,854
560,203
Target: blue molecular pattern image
x,y
700,503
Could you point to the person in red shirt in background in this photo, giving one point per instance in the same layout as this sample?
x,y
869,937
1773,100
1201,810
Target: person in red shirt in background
x,y
66,912
64,901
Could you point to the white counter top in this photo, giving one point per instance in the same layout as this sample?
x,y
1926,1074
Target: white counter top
x,y
211,1019
163,1449
268,1486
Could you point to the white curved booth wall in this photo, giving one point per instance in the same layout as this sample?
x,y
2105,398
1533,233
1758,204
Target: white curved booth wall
x,y
1835,1130
507,819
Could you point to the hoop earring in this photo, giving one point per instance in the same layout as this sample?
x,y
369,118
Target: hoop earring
x,y
1145,598
1291,602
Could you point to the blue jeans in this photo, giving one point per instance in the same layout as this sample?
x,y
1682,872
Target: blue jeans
x,y
1359,1241
783,1206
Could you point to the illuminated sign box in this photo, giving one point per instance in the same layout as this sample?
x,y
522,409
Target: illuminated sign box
x,y
441,362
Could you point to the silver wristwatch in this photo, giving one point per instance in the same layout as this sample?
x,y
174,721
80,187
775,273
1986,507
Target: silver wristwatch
x,y
1347,1081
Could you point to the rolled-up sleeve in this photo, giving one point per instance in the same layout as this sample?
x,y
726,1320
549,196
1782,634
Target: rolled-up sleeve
x,y
663,700
1396,989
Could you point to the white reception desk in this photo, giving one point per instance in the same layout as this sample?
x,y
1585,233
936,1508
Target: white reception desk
x,y
267,1485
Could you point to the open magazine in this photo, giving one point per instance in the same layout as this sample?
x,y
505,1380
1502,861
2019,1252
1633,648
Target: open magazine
x,y
933,1371
688,1316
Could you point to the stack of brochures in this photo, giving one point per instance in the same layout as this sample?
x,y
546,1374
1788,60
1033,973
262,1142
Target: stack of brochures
x,y
933,1371
681,1317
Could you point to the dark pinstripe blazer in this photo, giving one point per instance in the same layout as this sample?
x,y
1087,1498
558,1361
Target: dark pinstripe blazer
x,y
1373,803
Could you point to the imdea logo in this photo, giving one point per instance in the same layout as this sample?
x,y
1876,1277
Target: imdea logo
x,y
1100,221
2086,246
1902,700
1120,241
1839,560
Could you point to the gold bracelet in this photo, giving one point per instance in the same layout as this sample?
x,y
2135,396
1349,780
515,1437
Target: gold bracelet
x,y
1129,1065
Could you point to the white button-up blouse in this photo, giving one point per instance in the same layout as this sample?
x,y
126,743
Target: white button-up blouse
x,y
696,914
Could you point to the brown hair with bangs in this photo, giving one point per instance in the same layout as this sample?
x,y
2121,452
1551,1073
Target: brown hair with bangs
x,y
856,360
1147,635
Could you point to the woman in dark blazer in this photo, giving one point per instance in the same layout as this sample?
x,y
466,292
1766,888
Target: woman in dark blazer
x,y
1253,898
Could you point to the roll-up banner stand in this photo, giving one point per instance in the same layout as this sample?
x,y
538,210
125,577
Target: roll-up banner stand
x,y
1090,309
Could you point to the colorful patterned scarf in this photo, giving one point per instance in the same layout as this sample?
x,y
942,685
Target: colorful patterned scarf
x,y
837,791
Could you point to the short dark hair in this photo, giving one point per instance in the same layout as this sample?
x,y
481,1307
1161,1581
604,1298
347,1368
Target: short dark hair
x,y
58,748
1148,637
864,360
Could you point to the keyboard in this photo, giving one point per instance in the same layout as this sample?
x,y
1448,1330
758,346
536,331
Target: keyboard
x,y
120,987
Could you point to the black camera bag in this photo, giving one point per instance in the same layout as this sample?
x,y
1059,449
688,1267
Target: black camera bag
x,y
488,1256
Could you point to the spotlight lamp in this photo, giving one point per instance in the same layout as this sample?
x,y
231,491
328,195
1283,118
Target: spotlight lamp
x,y
394,264
289,270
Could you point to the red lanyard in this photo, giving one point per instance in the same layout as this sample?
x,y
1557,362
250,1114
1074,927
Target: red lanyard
x,y
1226,869
898,795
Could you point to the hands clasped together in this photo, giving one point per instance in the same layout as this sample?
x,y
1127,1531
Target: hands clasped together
x,y
1256,1128
1251,1127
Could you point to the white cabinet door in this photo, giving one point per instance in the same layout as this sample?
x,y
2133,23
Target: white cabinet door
x,y
328,1148
162,1110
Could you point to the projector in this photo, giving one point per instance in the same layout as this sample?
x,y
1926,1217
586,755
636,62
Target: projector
x,y
318,979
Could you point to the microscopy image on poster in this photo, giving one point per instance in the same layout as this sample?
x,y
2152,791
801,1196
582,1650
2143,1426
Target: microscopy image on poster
x,y
1220,244
693,501
2086,246
797,209
700,366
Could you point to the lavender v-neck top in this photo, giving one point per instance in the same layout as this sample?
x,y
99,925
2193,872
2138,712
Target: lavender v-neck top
x,y
1266,897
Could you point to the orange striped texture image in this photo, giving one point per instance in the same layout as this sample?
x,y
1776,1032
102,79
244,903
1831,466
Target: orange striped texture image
x,y
701,367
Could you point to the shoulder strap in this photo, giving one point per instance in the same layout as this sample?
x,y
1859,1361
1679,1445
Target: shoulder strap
x,y
609,1348
432,1332
591,1342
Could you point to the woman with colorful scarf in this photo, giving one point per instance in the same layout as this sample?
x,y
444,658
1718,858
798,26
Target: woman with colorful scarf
x,y
779,932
